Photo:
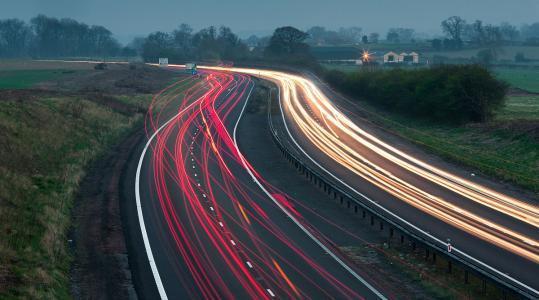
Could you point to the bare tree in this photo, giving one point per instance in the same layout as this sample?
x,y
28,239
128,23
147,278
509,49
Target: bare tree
x,y
454,27
374,37
509,32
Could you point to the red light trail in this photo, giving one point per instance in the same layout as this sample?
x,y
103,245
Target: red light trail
x,y
218,220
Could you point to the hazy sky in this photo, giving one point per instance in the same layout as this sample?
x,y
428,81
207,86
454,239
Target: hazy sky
x,y
127,18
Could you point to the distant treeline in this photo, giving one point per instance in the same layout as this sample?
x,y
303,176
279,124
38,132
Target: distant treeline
x,y
286,46
184,44
45,37
451,94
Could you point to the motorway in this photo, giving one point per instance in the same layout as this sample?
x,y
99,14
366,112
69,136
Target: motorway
x,y
494,231
212,227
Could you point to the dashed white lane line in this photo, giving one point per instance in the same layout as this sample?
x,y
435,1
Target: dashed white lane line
x,y
270,292
307,232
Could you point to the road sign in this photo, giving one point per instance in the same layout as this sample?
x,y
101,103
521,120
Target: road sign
x,y
191,68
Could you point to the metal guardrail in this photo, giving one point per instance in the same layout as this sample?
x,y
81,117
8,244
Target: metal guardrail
x,y
317,175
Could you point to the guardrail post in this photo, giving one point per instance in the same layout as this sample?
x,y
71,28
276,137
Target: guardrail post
x,y
449,266
483,287
372,220
434,257
466,276
427,253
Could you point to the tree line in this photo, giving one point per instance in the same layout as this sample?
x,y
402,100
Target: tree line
x,y
46,37
183,44
460,33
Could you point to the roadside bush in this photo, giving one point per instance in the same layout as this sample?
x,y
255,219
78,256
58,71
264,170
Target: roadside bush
x,y
448,94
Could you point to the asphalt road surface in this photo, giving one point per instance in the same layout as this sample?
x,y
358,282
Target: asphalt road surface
x,y
211,226
495,232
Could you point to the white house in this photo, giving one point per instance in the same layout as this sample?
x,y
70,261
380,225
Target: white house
x,y
415,57
391,57
403,58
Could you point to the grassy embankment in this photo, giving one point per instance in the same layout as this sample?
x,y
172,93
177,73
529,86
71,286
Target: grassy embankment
x,y
47,139
506,147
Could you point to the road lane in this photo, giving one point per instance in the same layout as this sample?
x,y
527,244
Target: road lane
x,y
212,231
485,225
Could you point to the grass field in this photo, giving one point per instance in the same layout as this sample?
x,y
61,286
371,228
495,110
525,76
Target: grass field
x,y
523,78
342,68
504,53
47,140
22,79
520,107
46,145
505,148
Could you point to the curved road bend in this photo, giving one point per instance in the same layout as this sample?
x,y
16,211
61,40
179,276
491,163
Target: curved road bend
x,y
494,231
212,227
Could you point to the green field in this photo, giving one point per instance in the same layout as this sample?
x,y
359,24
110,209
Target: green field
x,y
523,78
504,53
525,107
47,141
505,148
342,68
22,79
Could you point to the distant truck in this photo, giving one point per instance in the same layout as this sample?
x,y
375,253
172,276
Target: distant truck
x,y
191,68
163,62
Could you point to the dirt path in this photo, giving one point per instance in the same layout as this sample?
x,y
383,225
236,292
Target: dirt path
x,y
101,269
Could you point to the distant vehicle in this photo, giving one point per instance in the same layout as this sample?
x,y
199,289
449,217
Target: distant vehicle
x,y
163,62
100,66
191,68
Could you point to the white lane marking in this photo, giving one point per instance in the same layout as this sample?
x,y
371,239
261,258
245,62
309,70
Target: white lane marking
x,y
307,232
270,292
221,224
444,243
232,242
249,264
149,253
211,208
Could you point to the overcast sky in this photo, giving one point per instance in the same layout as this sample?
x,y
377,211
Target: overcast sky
x,y
127,18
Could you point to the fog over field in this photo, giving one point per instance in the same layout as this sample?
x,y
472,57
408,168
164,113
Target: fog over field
x,y
127,18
